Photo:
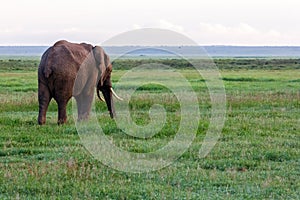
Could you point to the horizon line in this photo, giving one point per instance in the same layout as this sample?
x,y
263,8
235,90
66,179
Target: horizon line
x,y
162,45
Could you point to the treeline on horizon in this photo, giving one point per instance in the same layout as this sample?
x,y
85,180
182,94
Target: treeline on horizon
x,y
221,63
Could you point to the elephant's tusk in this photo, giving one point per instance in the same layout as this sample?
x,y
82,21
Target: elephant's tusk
x,y
99,96
113,92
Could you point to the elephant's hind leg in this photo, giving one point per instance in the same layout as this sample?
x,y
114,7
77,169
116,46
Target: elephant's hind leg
x,y
62,112
44,97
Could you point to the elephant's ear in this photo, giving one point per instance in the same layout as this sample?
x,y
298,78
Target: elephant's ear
x,y
103,64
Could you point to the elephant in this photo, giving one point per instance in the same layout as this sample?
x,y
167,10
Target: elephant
x,y
71,69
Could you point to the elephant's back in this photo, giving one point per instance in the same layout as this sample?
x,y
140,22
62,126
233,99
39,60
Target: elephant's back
x,y
63,58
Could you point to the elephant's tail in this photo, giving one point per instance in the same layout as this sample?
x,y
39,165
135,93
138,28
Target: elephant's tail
x,y
45,64
47,72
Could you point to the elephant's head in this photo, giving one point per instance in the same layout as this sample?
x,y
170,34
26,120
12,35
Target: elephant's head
x,y
104,79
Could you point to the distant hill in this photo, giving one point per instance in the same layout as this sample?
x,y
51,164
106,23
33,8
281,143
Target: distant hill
x,y
166,51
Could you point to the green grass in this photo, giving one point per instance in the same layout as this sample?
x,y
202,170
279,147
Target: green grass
x,y
257,156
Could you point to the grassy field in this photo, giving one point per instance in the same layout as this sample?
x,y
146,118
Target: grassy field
x,y
257,156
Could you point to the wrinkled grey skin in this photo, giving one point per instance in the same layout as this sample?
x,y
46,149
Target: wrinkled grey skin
x,y
60,65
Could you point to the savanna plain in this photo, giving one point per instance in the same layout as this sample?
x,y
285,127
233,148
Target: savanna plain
x,y
256,157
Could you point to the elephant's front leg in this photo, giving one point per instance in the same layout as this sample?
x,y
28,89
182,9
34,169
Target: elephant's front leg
x,y
84,103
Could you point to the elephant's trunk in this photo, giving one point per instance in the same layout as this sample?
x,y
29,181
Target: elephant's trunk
x,y
106,91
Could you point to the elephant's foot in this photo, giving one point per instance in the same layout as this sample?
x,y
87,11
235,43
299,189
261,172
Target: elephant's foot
x,y
83,117
61,121
41,120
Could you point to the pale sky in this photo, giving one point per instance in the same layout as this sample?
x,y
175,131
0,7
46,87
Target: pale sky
x,y
208,22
